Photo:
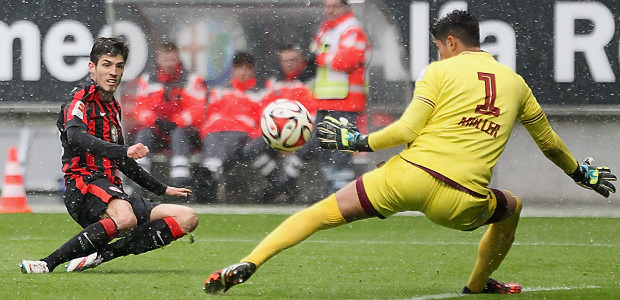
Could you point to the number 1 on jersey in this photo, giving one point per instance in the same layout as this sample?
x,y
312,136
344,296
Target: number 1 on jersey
x,y
490,88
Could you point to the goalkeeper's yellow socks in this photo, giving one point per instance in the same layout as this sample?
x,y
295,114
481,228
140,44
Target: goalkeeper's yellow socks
x,y
493,248
322,215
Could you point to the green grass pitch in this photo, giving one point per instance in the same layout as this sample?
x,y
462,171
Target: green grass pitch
x,y
399,258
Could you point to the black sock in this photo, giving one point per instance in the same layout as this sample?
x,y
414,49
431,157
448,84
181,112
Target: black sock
x,y
84,243
150,236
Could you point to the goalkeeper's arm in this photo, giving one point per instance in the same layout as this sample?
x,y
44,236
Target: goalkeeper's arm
x,y
584,174
344,136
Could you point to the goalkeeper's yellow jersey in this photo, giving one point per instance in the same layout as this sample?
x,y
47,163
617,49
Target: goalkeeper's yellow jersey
x,y
461,116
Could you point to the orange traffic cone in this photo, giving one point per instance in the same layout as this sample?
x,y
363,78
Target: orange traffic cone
x,y
13,198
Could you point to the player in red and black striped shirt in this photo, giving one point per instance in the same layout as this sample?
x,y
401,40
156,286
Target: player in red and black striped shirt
x,y
94,151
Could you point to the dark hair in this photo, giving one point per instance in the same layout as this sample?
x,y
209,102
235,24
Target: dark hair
x,y
112,46
460,24
243,58
167,47
345,2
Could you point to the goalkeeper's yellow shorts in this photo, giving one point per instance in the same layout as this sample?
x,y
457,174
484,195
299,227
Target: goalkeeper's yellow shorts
x,y
399,186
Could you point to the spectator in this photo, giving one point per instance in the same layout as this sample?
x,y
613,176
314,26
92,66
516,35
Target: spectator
x,y
294,66
170,106
290,82
342,52
232,120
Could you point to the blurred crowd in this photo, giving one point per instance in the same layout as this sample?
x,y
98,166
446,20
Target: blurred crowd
x,y
209,133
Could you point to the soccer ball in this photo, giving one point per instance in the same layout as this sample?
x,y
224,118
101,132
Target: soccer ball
x,y
286,125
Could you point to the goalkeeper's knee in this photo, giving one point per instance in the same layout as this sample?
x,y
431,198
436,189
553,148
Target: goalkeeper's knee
x,y
508,206
324,214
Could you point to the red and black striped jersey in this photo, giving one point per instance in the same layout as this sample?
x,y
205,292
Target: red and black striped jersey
x,y
97,152
92,140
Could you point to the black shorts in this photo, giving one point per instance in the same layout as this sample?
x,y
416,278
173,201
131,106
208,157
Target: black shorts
x,y
87,199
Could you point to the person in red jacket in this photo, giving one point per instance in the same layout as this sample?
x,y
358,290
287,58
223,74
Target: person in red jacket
x,y
293,79
291,82
342,53
169,108
232,120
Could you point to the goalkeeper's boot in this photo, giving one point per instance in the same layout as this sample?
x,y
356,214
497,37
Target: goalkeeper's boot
x,y
34,267
83,263
222,280
497,287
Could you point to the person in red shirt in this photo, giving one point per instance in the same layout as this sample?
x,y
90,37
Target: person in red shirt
x,y
293,79
170,105
291,82
342,52
232,120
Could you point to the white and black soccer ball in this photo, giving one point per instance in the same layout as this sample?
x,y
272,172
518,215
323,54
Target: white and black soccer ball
x,y
286,125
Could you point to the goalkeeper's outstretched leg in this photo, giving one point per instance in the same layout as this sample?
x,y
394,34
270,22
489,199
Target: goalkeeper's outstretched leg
x,y
494,246
325,214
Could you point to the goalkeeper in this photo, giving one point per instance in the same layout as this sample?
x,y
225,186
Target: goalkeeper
x,y
455,128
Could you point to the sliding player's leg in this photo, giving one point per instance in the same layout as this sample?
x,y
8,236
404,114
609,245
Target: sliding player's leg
x,y
158,226
87,203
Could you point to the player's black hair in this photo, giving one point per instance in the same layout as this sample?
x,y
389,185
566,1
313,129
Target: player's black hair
x,y
243,58
345,2
460,24
112,46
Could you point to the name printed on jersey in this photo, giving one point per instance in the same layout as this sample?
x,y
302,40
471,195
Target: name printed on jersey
x,y
489,127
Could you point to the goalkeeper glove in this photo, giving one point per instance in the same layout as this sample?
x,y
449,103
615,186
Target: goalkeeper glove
x,y
594,178
341,135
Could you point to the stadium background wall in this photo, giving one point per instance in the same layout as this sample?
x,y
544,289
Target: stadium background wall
x,y
568,51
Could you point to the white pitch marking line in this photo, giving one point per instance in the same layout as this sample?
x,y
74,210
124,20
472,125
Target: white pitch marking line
x,y
532,289
559,288
438,296
327,241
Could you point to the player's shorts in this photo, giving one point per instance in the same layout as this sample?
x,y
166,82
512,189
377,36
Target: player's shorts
x,y
400,186
87,199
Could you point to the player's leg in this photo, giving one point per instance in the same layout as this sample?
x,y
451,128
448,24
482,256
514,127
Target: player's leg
x,y
93,200
119,210
337,209
358,200
168,222
158,226
87,241
495,245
